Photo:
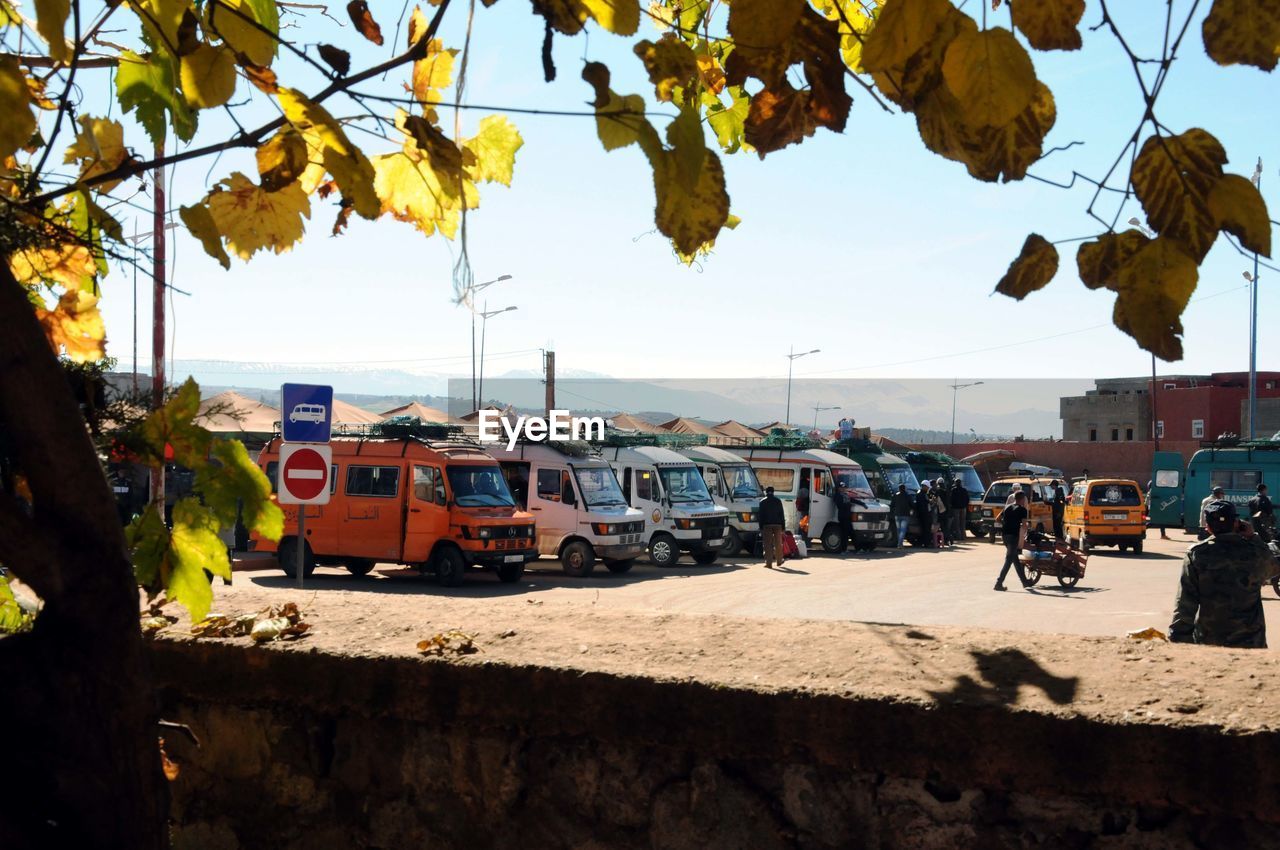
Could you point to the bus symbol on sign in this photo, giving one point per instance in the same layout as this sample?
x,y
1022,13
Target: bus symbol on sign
x,y
304,474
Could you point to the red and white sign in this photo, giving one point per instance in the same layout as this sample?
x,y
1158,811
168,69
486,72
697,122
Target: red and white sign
x,y
304,474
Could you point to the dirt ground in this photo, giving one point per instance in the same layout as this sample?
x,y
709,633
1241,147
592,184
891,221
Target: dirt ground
x,y
907,625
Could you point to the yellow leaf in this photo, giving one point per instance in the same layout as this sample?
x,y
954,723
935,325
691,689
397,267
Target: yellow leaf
x,y
1243,32
1238,207
239,34
988,152
161,20
620,121
74,327
620,17
1099,261
99,147
1049,24
15,105
411,191
855,21
281,159
417,26
433,72
494,147
200,224
905,48
208,76
691,218
51,22
711,73
346,162
670,63
1172,177
991,76
251,219
1035,266
71,265
1154,287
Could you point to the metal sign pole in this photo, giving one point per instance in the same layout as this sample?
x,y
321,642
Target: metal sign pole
x,y
302,542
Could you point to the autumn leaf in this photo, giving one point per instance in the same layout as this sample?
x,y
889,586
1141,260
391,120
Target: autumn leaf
x,y
441,152
1099,261
281,159
74,326
161,20
360,15
1049,24
777,117
201,225
991,76
336,58
620,121
70,265
904,51
1154,286
208,76
1035,266
147,86
1172,177
989,153
410,190
15,104
761,31
729,122
51,22
494,148
234,22
346,162
1245,32
620,17
670,64
99,148
1238,208
251,219
690,217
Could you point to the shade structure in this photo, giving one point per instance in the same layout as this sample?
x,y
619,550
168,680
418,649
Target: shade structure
x,y
421,411
628,422
348,414
231,413
684,425
732,431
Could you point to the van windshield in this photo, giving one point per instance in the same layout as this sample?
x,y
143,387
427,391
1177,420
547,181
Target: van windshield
x,y
999,492
741,482
479,486
969,478
852,480
599,486
895,474
684,484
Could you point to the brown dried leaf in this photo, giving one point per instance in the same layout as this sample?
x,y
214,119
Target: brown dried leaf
x,y
171,768
1173,177
1033,269
1238,207
336,58
1099,261
364,22
454,641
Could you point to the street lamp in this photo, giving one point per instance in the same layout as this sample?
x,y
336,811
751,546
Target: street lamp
x,y
792,357
470,297
817,408
485,315
955,390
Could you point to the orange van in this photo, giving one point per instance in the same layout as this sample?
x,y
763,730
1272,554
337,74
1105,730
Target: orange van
x,y
437,505
1106,512
1039,505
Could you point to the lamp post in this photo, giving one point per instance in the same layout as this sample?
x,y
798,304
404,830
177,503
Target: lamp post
x,y
955,390
471,303
485,315
792,357
817,408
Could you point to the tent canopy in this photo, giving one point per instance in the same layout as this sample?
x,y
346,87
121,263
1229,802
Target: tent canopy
x,y
231,413
345,413
627,422
683,425
414,408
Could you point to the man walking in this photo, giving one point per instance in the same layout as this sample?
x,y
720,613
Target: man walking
x,y
1262,514
1219,598
772,518
1012,526
1059,505
900,509
959,509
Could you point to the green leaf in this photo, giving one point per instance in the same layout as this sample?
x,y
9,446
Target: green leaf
x,y
686,139
728,122
149,85
233,484
194,547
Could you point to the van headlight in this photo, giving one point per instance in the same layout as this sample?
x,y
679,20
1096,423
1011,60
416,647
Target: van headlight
x,y
684,523
746,516
604,528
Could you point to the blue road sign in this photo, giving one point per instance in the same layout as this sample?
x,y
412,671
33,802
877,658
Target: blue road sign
x,y
306,413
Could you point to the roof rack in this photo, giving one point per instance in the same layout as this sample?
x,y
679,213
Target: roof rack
x,y
789,438
856,444
929,457
623,439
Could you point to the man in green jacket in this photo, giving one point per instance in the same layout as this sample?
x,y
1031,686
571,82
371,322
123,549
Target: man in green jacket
x,y
1219,599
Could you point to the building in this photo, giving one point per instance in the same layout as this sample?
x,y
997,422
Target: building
x,y
1187,407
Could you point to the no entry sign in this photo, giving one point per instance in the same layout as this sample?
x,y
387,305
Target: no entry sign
x,y
303,474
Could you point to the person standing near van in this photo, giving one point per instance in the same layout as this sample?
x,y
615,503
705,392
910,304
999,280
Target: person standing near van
x,y
772,518
1217,495
959,499
1058,502
1219,599
1013,522
900,509
1262,514
923,517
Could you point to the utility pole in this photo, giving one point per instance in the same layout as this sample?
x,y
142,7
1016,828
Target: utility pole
x,y
1155,409
157,315
549,370
1253,325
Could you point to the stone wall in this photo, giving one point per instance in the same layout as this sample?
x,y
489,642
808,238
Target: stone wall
x,y
305,749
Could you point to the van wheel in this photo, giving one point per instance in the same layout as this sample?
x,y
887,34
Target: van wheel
x,y
359,567
1275,586
287,555
705,558
509,573
450,568
620,566
1137,548
663,551
578,559
833,539
732,542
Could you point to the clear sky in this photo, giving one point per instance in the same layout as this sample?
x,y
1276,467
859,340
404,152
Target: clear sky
x,y
864,245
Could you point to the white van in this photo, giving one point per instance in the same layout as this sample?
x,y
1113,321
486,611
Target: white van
x,y
669,489
816,473
577,505
733,484
307,413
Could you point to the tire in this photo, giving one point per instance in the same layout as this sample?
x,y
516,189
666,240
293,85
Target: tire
x,y
620,566
663,551
1068,581
732,542
705,558
870,547
1033,575
1121,547
993,535
833,539
359,567
578,559
1275,586
1040,528
287,555
509,573
1137,548
450,568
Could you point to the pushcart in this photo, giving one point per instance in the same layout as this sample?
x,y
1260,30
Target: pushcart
x,y
1053,559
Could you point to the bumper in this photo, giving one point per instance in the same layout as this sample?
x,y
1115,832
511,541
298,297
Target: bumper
x,y
874,532
694,546
1111,538
620,551
505,556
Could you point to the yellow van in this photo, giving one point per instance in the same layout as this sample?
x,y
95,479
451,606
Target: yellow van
x,y
1106,512
1039,504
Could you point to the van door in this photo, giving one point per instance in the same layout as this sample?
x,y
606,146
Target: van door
x,y
1166,500
822,507
647,494
428,517
554,508
372,522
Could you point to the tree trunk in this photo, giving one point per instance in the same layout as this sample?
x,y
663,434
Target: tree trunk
x,y
79,763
